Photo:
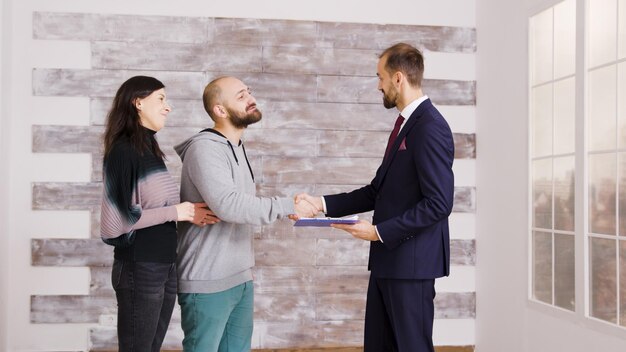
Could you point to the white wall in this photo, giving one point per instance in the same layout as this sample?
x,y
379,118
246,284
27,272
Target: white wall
x,y
4,242
506,321
20,53
501,176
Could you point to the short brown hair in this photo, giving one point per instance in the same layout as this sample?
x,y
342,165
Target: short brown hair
x,y
406,59
211,96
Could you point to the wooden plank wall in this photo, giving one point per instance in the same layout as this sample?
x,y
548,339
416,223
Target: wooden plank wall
x,y
324,130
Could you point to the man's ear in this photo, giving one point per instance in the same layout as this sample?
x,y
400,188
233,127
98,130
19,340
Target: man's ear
x,y
219,110
397,77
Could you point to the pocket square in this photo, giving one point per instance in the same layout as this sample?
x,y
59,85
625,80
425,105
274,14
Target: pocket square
x,y
402,145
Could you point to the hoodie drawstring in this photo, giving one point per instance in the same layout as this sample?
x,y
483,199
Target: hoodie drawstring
x,y
233,149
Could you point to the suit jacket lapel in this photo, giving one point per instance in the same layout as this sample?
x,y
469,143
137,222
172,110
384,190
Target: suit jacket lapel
x,y
413,120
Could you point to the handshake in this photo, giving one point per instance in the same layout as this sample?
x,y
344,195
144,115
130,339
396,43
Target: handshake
x,y
306,206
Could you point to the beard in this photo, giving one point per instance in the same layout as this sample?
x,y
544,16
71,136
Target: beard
x,y
244,119
389,98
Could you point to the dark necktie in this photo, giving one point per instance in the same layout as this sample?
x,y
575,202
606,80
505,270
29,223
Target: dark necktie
x,y
394,134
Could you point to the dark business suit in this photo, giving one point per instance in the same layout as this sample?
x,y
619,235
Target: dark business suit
x,y
412,196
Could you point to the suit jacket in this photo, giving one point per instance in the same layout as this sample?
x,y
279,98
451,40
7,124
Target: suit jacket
x,y
412,196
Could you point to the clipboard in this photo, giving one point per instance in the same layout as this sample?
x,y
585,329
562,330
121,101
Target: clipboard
x,y
326,222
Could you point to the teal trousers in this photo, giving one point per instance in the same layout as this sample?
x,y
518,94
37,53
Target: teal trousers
x,y
218,322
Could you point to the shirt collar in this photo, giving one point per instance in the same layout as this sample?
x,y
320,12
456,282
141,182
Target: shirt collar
x,y
409,109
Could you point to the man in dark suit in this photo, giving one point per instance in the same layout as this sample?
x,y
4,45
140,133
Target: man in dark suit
x,y
412,196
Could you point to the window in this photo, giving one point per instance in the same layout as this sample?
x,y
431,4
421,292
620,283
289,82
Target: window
x,y
606,159
552,110
558,155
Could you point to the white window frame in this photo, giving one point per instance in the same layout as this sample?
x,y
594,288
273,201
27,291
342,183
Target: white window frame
x,y
581,314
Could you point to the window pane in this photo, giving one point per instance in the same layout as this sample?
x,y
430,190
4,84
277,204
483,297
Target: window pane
x,y
602,31
603,279
542,120
622,194
602,105
621,104
602,174
564,201
622,29
622,283
565,38
541,47
564,272
564,116
542,267
542,194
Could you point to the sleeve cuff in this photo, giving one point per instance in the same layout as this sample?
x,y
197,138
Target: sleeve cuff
x,y
378,233
324,205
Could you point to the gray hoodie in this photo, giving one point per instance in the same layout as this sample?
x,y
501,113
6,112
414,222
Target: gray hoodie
x,y
218,257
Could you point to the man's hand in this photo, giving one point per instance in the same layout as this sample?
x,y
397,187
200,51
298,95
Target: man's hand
x,y
362,229
303,209
203,216
306,206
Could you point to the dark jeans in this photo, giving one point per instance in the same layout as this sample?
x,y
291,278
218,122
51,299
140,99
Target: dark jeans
x,y
145,293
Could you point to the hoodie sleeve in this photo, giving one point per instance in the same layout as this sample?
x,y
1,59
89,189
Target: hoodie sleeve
x,y
209,170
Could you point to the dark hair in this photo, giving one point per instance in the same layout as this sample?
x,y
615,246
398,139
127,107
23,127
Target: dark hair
x,y
406,59
123,119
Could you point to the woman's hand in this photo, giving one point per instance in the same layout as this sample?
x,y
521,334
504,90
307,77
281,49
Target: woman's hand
x,y
185,211
204,216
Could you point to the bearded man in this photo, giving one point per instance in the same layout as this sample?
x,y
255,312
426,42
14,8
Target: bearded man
x,y
215,289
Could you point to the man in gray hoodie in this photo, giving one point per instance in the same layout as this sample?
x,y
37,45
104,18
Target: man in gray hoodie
x,y
215,262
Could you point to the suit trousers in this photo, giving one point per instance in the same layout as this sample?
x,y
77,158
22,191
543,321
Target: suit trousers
x,y
146,294
399,315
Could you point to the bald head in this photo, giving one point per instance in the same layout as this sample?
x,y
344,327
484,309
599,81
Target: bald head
x,y
212,95
229,101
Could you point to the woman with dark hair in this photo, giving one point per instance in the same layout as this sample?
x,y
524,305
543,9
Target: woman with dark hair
x,y
140,207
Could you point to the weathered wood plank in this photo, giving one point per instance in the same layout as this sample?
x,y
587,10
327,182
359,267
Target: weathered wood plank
x,y
70,308
104,83
249,31
270,252
367,36
275,86
285,279
104,338
100,281
276,142
287,252
357,171
464,145
351,306
66,196
354,252
464,200
321,61
131,28
350,89
341,279
328,116
284,307
71,252
366,144
67,139
185,112
342,252
87,196
463,252
177,57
